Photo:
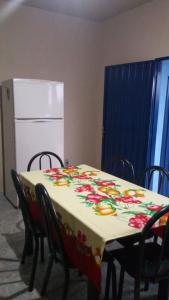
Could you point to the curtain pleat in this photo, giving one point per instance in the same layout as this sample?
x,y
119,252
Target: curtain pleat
x,y
128,109
164,160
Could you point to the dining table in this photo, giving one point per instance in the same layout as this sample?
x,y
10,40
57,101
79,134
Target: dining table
x,y
94,208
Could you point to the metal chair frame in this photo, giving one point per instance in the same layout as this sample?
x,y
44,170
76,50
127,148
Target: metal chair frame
x,y
56,246
128,242
43,154
148,173
126,168
123,165
32,233
158,262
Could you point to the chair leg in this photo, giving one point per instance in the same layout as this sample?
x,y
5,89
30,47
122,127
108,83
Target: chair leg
x,y
146,286
42,248
28,246
23,254
163,289
114,282
120,289
66,283
34,265
155,239
137,290
108,277
47,276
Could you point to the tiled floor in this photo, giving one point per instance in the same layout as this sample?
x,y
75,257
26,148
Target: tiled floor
x,y
14,277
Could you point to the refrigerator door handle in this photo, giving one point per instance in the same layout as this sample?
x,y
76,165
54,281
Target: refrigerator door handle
x,y
40,121
37,120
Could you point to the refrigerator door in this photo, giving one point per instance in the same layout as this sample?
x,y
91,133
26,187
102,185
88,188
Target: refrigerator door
x,y
34,136
38,99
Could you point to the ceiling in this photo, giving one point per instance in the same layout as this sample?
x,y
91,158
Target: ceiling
x,y
96,10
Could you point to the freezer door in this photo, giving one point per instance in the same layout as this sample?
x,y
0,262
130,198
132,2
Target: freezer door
x,y
32,137
38,99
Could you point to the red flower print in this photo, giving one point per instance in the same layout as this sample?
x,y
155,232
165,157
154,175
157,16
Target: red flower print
x,y
127,199
143,217
154,207
84,188
57,176
138,221
121,199
52,170
104,183
135,201
95,198
81,177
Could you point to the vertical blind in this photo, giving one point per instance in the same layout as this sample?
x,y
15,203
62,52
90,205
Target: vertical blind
x,y
128,110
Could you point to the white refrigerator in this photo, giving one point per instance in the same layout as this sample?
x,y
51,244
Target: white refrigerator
x,y
32,121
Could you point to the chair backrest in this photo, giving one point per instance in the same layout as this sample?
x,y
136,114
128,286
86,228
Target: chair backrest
x,y
23,204
149,174
159,264
122,168
53,225
44,155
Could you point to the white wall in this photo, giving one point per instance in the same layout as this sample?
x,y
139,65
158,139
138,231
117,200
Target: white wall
x,y
45,45
137,35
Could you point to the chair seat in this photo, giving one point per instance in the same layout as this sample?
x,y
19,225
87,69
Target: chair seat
x,y
128,241
128,257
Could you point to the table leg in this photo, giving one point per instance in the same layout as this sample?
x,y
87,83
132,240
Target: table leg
x,y
28,242
163,290
92,292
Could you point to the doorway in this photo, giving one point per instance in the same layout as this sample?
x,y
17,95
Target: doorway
x,y
161,97
134,115
128,110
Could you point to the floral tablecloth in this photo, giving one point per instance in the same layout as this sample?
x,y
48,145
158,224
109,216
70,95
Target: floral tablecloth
x,y
94,208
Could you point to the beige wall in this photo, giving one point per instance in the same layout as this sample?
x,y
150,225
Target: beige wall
x,y
40,44
140,34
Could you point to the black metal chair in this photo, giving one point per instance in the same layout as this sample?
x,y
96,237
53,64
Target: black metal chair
x,y
122,168
147,261
146,180
55,241
33,231
128,243
42,155
148,175
46,156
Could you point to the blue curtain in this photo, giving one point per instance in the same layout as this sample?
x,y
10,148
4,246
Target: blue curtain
x,y
128,118
164,161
